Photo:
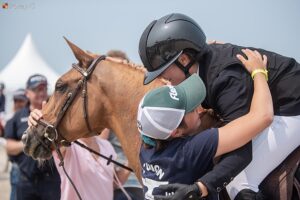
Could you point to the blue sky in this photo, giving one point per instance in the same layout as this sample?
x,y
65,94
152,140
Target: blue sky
x,y
99,26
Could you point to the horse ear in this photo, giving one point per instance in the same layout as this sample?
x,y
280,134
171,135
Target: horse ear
x,y
83,58
94,55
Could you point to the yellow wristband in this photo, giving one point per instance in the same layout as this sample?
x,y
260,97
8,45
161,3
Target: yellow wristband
x,y
256,71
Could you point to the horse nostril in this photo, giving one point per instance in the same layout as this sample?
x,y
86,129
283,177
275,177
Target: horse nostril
x,y
24,137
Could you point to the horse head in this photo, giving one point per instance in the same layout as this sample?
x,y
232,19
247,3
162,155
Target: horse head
x,y
74,119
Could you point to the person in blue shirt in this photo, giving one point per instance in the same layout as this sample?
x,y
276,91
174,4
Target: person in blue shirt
x,y
2,98
168,118
20,101
36,181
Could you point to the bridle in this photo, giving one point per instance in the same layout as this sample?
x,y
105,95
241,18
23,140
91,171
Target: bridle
x,y
81,84
51,133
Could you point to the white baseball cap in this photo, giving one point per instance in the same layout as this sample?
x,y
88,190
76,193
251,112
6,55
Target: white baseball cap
x,y
161,110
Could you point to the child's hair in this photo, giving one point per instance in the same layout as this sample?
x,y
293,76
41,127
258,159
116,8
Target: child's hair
x,y
162,144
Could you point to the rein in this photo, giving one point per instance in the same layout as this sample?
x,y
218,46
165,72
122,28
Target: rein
x,y
56,139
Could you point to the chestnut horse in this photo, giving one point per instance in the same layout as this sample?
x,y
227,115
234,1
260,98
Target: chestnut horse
x,y
110,100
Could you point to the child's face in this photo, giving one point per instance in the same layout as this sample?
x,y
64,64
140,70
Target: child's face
x,y
192,121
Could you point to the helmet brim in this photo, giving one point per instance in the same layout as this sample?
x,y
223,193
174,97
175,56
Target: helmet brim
x,y
150,76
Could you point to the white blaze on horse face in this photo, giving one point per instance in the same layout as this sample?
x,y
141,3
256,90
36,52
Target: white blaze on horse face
x,y
173,93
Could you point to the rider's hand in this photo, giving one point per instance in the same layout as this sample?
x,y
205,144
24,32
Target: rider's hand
x,y
35,116
253,61
179,191
117,60
215,42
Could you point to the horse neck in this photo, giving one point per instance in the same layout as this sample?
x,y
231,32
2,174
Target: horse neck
x,y
124,89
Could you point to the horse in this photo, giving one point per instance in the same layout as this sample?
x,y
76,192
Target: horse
x,y
110,93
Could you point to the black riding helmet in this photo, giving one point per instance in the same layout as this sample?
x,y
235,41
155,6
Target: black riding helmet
x,y
165,39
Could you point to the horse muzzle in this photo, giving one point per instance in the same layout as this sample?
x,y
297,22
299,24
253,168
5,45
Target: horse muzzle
x,y
35,144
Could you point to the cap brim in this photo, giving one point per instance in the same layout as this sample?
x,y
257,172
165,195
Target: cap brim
x,y
22,98
150,76
37,85
194,90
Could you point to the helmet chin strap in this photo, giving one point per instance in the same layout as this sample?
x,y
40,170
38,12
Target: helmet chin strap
x,y
185,69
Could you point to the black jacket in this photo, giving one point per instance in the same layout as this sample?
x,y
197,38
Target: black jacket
x,y
229,93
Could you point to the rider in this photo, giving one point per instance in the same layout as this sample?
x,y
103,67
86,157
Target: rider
x,y
168,115
174,46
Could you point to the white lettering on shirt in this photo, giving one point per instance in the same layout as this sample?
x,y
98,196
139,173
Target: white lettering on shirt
x,y
24,119
154,168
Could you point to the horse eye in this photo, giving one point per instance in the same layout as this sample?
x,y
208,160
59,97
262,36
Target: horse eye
x,y
60,87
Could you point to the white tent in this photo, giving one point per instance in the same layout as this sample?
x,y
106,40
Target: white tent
x,y
26,62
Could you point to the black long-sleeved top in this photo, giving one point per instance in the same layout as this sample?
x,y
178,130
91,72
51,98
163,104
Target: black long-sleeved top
x,y
229,93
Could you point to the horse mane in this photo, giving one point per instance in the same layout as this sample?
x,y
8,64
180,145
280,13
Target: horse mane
x,y
142,69
139,68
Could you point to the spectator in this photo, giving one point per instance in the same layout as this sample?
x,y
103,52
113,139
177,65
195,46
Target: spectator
x,y
36,182
2,108
20,101
2,98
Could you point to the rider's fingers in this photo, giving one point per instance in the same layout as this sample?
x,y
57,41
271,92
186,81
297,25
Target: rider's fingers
x,y
242,59
114,59
265,60
258,55
250,53
247,54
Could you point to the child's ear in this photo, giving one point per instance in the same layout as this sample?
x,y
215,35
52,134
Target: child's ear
x,y
201,110
176,133
184,59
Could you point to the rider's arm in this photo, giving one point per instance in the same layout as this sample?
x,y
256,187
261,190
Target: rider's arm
x,y
233,91
242,130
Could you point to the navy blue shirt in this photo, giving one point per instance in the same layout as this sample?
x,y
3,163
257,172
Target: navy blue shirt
x,y
183,160
14,129
2,103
